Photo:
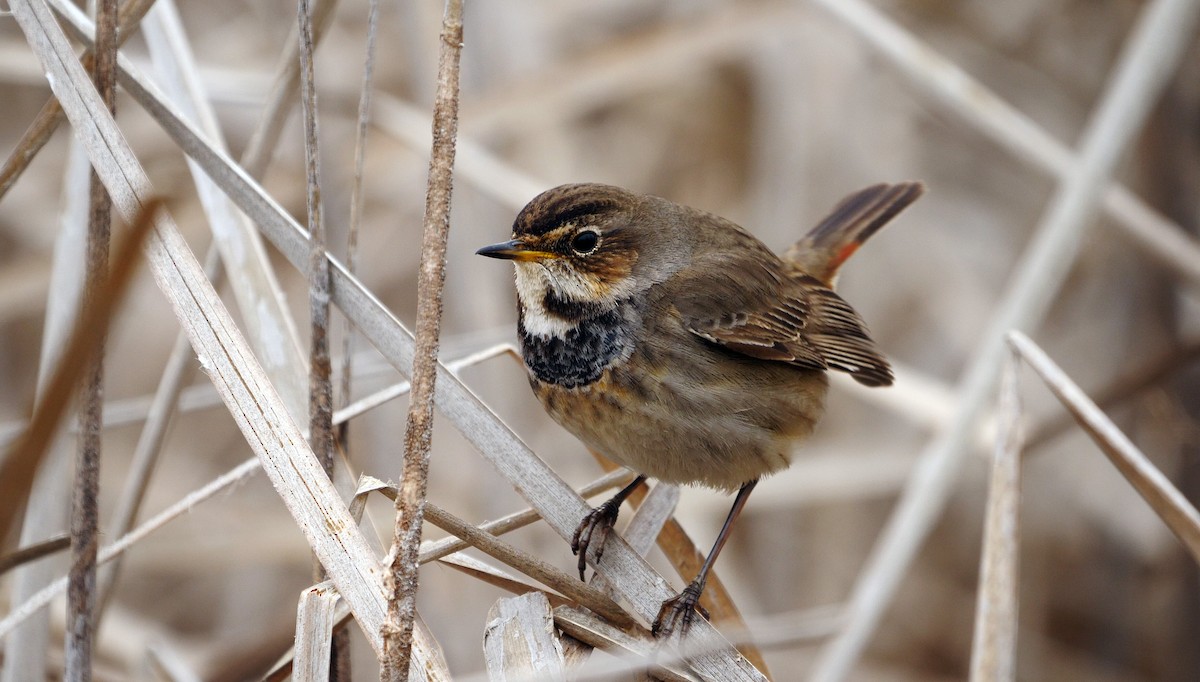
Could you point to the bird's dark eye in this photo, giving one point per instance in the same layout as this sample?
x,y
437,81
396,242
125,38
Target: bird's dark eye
x,y
585,242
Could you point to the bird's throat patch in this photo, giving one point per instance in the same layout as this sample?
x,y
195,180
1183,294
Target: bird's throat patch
x,y
580,356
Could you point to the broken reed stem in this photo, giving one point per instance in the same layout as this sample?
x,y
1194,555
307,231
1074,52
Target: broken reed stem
x,y
85,506
47,120
401,583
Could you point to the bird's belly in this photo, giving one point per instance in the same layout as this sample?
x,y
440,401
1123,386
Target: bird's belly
x,y
692,427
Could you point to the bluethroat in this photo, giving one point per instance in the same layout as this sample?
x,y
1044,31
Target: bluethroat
x,y
675,343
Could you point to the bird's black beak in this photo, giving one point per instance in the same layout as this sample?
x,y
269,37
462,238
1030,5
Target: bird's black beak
x,y
513,250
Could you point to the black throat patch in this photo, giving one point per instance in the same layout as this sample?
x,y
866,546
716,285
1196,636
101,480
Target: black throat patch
x,y
596,340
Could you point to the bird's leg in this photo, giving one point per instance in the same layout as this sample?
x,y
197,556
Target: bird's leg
x,y
595,526
678,612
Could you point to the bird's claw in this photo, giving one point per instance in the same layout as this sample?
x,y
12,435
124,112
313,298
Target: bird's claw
x,y
592,532
677,613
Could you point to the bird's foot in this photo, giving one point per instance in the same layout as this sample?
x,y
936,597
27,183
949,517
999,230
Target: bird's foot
x,y
592,532
678,612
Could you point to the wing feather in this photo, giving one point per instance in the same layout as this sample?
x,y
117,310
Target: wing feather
x,y
805,324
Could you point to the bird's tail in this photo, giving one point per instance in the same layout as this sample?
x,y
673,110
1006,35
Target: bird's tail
x,y
823,250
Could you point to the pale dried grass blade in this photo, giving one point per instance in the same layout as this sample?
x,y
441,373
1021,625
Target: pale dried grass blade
x,y
994,652
485,541
652,513
474,163
431,664
85,498
653,510
1150,482
265,138
1132,381
1148,58
357,197
520,641
687,559
314,633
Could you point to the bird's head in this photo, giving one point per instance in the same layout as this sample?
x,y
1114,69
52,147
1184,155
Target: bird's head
x,y
585,248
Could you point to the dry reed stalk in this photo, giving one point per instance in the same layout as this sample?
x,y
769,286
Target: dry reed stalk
x,y
266,318
1128,384
335,648
436,549
265,138
410,502
994,652
1149,56
496,577
85,503
121,545
320,389
531,566
632,654
524,562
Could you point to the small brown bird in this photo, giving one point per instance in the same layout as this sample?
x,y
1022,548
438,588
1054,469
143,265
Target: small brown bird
x,y
677,344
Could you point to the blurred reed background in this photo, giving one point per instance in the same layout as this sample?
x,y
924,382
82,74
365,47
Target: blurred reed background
x,y
766,113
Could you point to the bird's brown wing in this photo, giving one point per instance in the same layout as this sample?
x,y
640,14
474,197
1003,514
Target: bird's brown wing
x,y
761,307
809,325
